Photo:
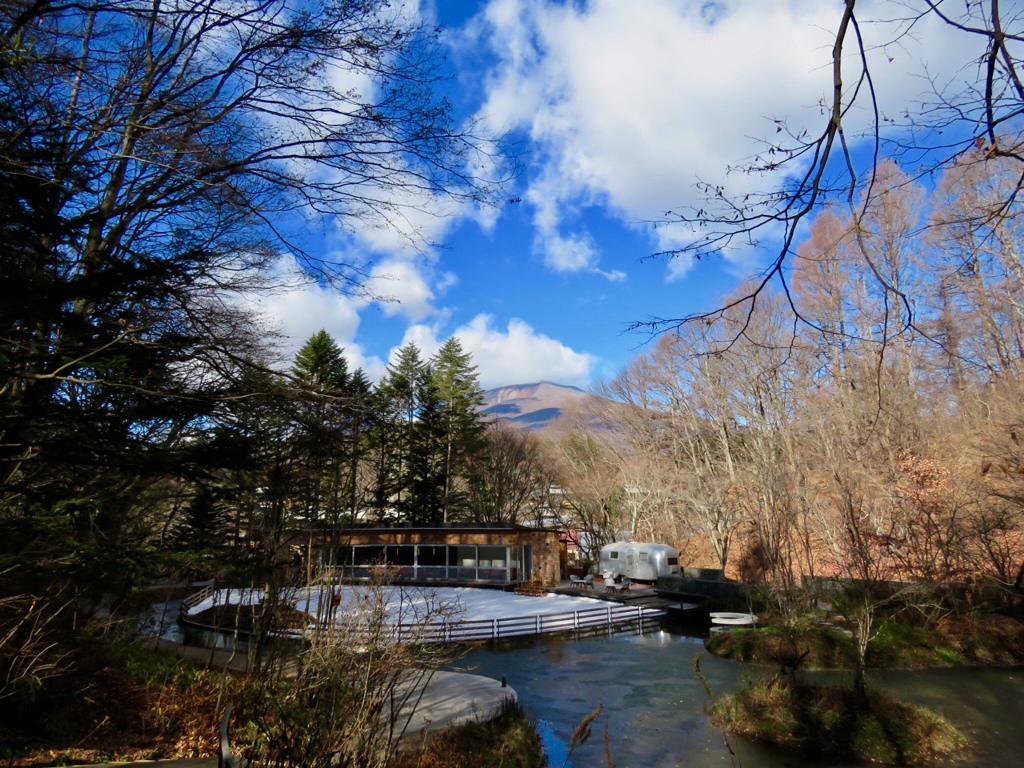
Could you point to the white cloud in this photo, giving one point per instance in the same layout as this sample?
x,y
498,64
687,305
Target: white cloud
x,y
628,105
614,276
569,254
679,267
515,355
414,221
302,308
405,289
425,337
405,277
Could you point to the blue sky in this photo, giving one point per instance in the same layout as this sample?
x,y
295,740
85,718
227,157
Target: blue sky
x,y
619,107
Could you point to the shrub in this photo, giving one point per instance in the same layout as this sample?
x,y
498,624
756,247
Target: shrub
x,y
837,723
510,740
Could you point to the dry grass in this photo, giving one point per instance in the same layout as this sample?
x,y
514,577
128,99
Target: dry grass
x,y
508,741
122,703
129,703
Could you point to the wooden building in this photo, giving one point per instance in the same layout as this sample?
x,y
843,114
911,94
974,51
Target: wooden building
x,y
466,554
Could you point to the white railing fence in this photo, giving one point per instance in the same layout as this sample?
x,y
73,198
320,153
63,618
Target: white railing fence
x,y
192,600
475,630
521,626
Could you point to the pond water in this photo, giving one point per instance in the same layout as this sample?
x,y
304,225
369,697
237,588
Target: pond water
x,y
653,702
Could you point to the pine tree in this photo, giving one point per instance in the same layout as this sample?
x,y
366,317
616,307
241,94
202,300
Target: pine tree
x,y
461,399
398,405
423,505
320,364
359,417
320,441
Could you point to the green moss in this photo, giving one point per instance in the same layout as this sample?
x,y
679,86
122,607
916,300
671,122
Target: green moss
x,y
810,648
900,645
948,656
837,723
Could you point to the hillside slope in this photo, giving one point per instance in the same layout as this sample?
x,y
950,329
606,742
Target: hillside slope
x,y
531,406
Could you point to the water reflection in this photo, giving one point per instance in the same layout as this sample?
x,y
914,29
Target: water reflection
x,y
654,703
985,704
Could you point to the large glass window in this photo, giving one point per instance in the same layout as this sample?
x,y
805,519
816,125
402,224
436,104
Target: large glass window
x,y
493,557
343,554
433,555
522,562
437,562
369,555
493,564
462,556
401,554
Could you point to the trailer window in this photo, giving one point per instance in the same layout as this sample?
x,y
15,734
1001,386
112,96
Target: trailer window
x,y
613,555
643,557
673,561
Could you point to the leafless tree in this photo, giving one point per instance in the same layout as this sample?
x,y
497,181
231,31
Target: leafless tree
x,y
976,123
506,474
589,475
158,157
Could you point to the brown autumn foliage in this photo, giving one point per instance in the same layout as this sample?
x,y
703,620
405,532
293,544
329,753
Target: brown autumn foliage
x,y
867,425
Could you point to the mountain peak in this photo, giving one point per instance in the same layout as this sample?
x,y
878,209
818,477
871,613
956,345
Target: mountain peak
x,y
531,406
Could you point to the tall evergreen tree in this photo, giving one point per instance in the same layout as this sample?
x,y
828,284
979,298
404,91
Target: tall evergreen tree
x,y
423,504
321,372
345,415
461,398
399,401
320,364
359,417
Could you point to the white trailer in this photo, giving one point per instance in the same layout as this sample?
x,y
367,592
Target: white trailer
x,y
640,561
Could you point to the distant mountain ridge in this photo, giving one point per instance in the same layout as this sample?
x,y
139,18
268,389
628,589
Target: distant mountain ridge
x,y
531,407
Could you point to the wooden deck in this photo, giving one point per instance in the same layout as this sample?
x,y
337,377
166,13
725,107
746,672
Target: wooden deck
x,y
638,594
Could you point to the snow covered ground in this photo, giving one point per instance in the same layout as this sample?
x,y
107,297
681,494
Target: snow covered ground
x,y
406,604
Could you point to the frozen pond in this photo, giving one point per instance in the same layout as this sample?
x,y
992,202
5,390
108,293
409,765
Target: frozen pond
x,y
654,704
